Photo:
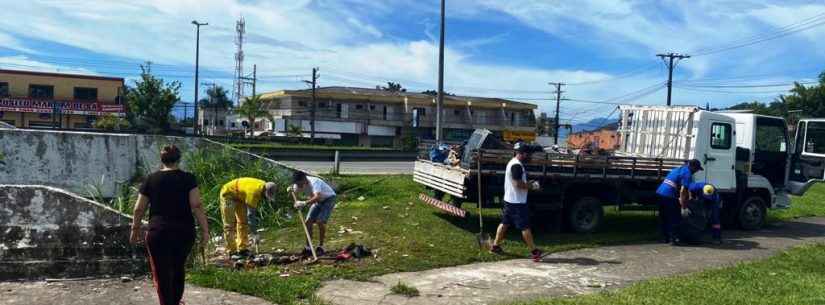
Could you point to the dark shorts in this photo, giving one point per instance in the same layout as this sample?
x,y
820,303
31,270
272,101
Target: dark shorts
x,y
320,212
517,215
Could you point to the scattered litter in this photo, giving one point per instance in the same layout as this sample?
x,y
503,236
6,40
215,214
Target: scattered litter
x,y
361,198
284,274
354,232
431,245
409,203
261,230
125,279
279,250
354,217
772,273
386,207
217,239
136,288
405,255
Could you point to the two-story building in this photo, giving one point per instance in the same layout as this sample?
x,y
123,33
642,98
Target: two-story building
x,y
374,117
31,99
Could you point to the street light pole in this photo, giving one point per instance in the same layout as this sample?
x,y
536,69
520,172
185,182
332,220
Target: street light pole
x,y
440,102
197,58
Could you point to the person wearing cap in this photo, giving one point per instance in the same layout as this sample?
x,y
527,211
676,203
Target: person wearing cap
x,y
712,203
439,153
240,199
516,213
673,195
321,203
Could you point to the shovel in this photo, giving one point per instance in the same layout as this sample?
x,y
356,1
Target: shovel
x,y
306,231
484,241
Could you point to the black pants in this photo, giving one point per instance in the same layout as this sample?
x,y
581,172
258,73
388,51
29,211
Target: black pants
x,y
669,216
168,249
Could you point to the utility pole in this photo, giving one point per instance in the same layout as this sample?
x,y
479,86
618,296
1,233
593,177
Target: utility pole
x,y
440,103
313,83
556,120
670,61
197,58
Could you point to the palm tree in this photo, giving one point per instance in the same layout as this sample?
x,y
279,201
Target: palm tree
x,y
252,108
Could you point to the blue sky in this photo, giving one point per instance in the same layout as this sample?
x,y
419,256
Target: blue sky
x,y
604,49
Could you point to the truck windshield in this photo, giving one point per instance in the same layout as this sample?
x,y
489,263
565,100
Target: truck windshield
x,y
815,138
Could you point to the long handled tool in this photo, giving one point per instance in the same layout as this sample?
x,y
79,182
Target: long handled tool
x,y
483,238
306,231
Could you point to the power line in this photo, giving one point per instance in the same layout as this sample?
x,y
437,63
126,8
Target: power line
x,y
784,31
629,74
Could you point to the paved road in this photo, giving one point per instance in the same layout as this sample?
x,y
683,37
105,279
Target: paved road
x,y
362,168
573,272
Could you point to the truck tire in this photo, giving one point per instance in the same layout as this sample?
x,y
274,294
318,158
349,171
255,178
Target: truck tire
x,y
752,212
585,215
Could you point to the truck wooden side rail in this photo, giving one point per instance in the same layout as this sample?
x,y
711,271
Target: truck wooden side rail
x,y
574,187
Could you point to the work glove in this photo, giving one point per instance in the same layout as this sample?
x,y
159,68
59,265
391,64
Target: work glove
x,y
291,188
300,204
535,185
255,238
685,212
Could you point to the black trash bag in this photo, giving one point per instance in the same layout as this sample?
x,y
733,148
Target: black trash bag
x,y
358,251
692,227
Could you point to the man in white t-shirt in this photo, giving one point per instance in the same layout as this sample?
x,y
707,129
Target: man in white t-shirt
x,y
516,212
321,202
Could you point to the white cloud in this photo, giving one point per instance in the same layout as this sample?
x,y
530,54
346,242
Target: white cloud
x,y
21,62
288,37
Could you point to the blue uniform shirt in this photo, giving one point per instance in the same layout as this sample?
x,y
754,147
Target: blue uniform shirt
x,y
677,178
696,189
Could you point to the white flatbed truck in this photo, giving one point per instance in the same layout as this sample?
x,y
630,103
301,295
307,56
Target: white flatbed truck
x,y
748,157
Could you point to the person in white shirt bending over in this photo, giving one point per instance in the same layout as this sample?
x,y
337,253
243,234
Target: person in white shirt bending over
x,y
516,212
321,202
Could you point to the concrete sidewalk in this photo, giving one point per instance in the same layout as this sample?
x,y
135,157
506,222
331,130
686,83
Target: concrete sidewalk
x,y
573,272
110,292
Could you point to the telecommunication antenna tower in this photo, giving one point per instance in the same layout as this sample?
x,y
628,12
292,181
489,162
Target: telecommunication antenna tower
x,y
238,86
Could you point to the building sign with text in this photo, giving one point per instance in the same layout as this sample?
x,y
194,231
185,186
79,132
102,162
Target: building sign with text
x,y
64,107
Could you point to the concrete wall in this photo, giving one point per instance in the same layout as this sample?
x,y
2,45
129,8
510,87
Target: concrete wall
x,y
76,161
47,232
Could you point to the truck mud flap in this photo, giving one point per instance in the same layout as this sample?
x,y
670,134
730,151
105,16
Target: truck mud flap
x,y
441,205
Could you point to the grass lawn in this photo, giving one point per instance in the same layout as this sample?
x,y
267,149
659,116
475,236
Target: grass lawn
x,y
794,277
408,235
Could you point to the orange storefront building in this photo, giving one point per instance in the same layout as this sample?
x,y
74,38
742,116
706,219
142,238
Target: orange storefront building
x,y
55,100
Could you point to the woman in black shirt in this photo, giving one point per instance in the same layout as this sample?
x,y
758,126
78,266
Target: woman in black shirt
x,y
172,197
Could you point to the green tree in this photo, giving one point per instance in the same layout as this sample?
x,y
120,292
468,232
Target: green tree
x,y
216,100
111,122
295,131
809,100
252,108
150,102
392,87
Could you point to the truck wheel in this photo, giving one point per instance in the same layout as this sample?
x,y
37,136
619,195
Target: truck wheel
x,y
751,213
585,215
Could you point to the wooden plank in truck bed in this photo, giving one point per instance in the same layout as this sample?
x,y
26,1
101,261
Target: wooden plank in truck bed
x,y
441,177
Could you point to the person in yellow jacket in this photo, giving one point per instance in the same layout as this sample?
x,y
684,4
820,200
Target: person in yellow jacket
x,y
240,198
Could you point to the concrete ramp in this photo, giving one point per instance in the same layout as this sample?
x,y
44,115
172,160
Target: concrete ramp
x,y
46,232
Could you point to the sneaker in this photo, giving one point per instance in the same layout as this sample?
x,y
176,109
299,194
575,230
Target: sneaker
x,y
536,255
496,249
319,251
306,252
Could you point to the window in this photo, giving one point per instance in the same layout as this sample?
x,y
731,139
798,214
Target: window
x,y
4,89
372,107
815,138
302,103
85,94
205,122
770,135
220,123
385,112
41,91
232,124
323,104
359,107
720,136
457,112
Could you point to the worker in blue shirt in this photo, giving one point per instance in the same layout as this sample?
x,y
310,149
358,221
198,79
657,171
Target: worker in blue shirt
x,y
712,203
673,196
